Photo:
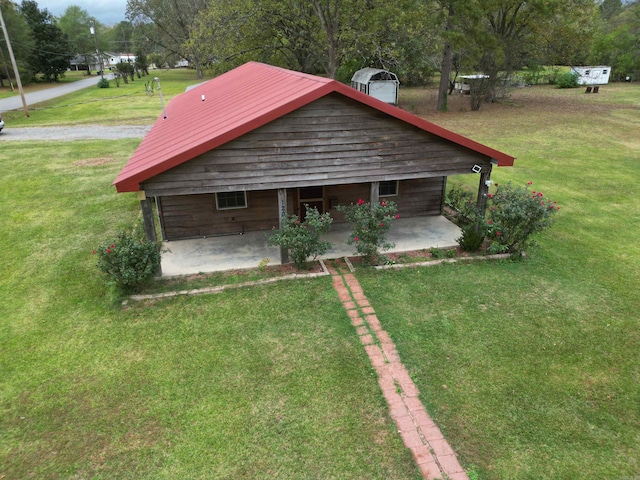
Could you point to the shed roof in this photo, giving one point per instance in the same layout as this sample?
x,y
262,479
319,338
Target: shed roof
x,y
240,101
364,75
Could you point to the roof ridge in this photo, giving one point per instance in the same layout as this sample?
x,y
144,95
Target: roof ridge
x,y
307,76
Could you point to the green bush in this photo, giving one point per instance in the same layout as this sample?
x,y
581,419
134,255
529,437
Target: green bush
x,y
458,197
471,238
514,215
370,226
129,261
103,83
302,239
567,80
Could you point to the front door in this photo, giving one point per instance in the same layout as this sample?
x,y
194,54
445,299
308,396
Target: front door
x,y
311,196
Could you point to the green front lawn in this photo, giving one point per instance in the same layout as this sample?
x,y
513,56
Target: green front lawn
x,y
267,382
531,368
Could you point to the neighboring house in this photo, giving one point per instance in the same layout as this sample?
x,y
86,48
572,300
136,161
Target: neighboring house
x,y
236,152
79,62
115,58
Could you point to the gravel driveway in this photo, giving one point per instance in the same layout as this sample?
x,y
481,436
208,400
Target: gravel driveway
x,y
79,132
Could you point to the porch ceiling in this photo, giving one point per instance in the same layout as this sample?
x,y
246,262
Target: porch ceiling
x,y
203,255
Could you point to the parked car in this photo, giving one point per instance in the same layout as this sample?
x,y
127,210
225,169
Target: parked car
x,y
1,123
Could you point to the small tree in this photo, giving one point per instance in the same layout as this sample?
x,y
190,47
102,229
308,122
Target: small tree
x,y
515,214
302,238
370,226
142,63
129,261
125,69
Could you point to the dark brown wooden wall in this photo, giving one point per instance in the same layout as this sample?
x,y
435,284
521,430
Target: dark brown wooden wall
x,y
191,216
333,141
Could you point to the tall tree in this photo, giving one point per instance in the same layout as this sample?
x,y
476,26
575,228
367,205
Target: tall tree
x,y
52,52
501,36
174,22
402,36
618,42
75,23
21,43
309,35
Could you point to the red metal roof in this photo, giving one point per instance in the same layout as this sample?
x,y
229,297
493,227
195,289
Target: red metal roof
x,y
240,101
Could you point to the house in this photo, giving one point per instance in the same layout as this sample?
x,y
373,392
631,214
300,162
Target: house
x,y
80,62
114,59
236,152
378,83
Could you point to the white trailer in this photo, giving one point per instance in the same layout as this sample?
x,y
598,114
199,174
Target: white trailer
x,y
464,83
598,75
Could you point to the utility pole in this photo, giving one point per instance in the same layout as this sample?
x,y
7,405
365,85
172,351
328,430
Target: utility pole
x,y
15,66
94,32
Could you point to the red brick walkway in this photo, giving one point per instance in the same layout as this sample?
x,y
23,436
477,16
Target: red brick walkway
x,y
419,433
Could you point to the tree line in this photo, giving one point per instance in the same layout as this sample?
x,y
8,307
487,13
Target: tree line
x,y
416,39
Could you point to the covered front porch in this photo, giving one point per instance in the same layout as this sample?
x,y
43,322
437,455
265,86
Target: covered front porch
x,y
230,252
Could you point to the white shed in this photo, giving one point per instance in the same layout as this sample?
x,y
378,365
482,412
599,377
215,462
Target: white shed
x,y
598,75
380,84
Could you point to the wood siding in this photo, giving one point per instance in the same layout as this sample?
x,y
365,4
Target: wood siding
x,y
420,197
333,141
415,198
192,216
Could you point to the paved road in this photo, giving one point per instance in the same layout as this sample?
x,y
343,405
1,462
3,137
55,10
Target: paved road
x,y
15,103
64,133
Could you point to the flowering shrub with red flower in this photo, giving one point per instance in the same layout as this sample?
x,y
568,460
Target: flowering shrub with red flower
x,y
514,214
370,226
302,239
129,261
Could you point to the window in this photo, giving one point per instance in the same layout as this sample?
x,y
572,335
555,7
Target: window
x,y
229,200
388,188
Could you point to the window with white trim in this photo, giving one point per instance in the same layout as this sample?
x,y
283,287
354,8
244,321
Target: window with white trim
x,y
230,200
388,188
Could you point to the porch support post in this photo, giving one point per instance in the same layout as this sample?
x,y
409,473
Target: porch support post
x,y
282,209
443,194
147,217
483,189
375,194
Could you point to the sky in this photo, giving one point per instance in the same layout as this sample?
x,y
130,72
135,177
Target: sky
x,y
107,12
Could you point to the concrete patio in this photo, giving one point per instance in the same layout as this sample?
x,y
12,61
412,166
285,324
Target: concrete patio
x,y
211,254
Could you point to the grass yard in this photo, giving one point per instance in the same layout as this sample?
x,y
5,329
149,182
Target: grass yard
x,y
128,104
260,383
531,368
